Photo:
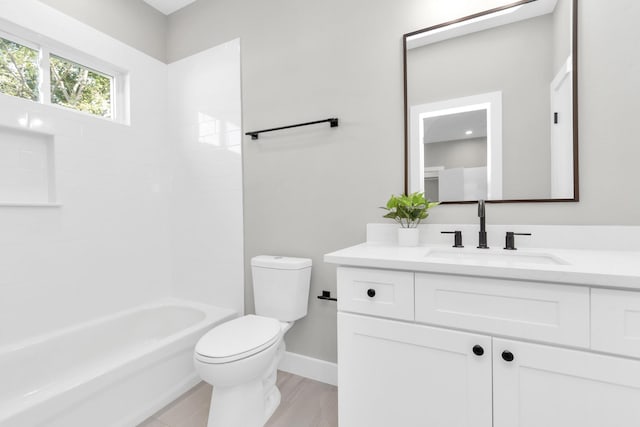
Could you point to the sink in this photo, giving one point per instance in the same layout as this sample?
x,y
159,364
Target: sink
x,y
490,257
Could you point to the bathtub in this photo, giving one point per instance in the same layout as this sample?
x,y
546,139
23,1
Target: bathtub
x,y
112,371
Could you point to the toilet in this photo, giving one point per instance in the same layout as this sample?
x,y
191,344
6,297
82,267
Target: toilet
x,y
240,358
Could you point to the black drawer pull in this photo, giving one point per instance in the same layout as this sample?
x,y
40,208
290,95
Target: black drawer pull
x,y
507,356
371,293
478,350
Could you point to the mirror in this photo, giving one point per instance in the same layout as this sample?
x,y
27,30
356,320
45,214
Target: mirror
x,y
491,106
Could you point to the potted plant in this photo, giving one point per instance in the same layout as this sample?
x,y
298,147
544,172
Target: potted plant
x,y
408,211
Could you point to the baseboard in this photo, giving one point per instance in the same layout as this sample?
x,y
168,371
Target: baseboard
x,y
308,367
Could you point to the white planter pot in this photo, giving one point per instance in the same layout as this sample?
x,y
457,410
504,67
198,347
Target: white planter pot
x,y
408,236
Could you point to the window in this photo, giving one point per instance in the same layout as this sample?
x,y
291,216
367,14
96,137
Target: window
x,y
78,87
71,80
19,70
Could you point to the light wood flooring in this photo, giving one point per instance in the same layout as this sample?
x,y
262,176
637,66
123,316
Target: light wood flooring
x,y
305,403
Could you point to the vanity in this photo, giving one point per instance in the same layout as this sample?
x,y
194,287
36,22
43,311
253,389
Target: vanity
x,y
440,336
545,335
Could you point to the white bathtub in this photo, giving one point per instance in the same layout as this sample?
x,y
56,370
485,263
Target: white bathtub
x,y
112,371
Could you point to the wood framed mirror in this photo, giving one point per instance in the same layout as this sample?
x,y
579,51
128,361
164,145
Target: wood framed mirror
x,y
491,105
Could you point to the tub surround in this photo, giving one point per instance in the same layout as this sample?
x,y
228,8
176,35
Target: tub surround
x,y
139,218
108,247
204,125
490,338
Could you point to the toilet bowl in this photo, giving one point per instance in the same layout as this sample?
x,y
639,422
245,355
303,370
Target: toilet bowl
x,y
240,358
236,358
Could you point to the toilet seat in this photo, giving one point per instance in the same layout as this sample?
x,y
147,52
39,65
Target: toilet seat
x,y
238,339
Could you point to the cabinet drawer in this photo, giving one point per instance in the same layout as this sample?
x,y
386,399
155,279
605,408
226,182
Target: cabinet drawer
x,y
377,292
615,321
528,310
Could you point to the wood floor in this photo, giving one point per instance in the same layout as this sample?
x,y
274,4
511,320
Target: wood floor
x,y
305,403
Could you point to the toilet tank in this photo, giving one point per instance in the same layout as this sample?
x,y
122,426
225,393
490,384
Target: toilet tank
x,y
281,286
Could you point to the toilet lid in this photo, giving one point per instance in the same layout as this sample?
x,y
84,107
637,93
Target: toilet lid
x,y
237,339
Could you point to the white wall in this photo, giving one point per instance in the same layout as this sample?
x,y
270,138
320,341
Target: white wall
x,y
461,153
107,246
204,131
310,192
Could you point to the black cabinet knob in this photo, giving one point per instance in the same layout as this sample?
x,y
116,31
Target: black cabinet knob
x,y
371,293
478,350
507,356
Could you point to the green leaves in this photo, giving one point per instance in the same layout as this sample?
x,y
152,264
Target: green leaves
x,y
76,86
72,85
408,210
18,70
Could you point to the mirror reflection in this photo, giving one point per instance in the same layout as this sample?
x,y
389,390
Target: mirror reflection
x,y
490,106
455,152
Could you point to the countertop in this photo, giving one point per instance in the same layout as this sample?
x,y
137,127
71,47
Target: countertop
x,y
607,269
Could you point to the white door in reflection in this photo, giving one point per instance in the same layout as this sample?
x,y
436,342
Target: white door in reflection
x,y
562,133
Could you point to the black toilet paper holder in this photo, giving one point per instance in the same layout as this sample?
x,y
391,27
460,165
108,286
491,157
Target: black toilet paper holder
x,y
326,295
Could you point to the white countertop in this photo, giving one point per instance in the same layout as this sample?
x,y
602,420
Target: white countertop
x,y
610,269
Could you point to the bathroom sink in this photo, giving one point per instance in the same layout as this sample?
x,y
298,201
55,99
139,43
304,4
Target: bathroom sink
x,y
490,257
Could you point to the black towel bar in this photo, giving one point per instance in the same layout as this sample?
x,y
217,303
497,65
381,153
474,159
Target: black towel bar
x,y
333,122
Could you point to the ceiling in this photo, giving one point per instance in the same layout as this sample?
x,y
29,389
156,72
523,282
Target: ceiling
x,y
168,6
455,127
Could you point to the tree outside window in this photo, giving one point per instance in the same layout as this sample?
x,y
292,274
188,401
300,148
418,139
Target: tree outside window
x,y
19,71
78,87
73,85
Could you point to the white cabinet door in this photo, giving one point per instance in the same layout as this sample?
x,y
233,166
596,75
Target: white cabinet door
x,y
553,387
392,373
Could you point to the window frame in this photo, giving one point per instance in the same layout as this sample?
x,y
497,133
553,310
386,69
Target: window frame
x,y
47,47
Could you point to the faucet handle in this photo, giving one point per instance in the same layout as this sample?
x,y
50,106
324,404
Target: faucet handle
x,y
510,241
457,240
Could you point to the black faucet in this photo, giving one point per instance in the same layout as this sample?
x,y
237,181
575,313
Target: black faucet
x,y
482,235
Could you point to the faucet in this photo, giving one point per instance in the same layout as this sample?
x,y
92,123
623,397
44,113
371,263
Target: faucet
x,y
482,235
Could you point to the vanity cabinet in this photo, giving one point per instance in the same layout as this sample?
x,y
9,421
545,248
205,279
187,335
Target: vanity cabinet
x,y
468,357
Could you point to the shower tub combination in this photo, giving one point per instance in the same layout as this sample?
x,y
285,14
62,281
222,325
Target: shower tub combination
x,y
113,371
